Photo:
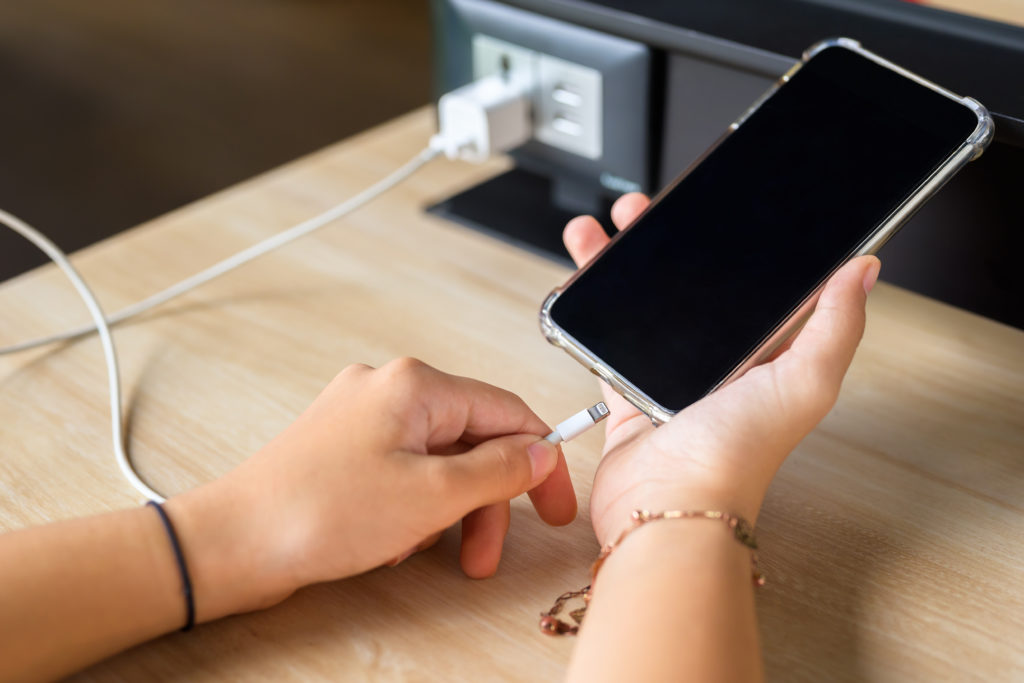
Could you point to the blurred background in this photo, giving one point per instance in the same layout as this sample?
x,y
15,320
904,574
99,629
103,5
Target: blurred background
x,y
116,111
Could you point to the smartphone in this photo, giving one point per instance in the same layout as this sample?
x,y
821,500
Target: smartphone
x,y
729,259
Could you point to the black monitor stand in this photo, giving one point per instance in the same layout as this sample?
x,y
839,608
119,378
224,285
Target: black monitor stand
x,y
517,207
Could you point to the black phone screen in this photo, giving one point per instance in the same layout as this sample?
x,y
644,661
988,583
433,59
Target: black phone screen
x,y
709,271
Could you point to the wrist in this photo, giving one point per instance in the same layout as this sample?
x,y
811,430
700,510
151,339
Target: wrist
x,y
233,566
657,497
724,499
690,545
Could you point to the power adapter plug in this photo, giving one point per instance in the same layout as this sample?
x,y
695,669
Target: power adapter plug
x,y
484,118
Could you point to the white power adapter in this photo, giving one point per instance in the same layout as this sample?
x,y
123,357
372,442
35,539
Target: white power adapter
x,y
486,117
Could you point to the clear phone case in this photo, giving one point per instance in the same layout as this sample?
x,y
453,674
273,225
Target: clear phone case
x,y
969,150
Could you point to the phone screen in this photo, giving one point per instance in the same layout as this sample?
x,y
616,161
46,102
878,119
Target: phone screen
x,y
708,272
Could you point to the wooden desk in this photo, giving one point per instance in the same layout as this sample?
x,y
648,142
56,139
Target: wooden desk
x,y
892,538
1011,11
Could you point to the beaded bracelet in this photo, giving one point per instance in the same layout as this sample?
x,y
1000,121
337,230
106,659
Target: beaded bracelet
x,y
551,625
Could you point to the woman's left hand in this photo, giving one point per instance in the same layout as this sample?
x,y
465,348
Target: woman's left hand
x,y
722,452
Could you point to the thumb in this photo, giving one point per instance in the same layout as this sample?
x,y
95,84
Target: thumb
x,y
499,469
821,353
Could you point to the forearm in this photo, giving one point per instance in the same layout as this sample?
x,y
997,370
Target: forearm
x,y
675,601
78,591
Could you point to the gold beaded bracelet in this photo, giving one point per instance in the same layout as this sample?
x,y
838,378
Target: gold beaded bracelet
x,y
741,529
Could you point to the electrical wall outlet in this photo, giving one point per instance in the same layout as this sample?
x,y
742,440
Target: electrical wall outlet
x,y
589,93
565,97
567,107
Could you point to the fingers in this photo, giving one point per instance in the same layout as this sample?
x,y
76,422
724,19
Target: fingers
x,y
815,364
492,472
554,498
436,409
440,413
478,484
627,208
486,412
483,535
584,238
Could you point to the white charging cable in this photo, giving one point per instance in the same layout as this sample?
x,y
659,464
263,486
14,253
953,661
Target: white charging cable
x,y
478,120
486,117
101,323
109,352
241,258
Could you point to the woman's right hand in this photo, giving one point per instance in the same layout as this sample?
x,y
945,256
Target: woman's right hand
x,y
375,469
723,451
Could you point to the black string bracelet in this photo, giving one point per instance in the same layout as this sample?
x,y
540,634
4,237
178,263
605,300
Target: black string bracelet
x,y
186,582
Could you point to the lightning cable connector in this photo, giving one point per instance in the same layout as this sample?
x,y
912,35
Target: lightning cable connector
x,y
578,423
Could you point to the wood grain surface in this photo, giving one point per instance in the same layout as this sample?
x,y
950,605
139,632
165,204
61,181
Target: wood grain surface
x,y
892,538
1010,11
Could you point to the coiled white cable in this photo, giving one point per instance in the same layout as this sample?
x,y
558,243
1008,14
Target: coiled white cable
x,y
102,324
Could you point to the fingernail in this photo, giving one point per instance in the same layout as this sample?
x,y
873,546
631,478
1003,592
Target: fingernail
x,y
543,456
871,275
